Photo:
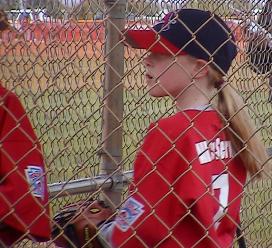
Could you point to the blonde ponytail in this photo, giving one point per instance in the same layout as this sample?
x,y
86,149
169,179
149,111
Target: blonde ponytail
x,y
241,130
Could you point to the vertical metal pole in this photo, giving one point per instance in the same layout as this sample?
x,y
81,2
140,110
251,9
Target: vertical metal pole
x,y
111,148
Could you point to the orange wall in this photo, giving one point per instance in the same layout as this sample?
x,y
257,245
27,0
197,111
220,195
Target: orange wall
x,y
91,32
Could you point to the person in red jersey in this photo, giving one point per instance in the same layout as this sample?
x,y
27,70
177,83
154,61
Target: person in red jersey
x,y
24,207
190,171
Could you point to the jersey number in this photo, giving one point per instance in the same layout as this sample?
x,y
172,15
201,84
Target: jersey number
x,y
221,183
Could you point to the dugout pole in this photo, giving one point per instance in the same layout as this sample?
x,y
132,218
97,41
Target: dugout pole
x,y
111,142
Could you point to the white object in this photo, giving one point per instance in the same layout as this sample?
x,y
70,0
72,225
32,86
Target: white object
x,y
71,3
254,29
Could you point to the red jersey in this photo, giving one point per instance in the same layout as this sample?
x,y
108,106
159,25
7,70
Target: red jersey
x,y
186,189
23,188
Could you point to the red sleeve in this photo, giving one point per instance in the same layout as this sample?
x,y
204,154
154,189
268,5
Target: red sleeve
x,y
156,203
23,185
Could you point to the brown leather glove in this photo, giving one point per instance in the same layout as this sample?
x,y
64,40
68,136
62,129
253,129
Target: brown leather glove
x,y
76,224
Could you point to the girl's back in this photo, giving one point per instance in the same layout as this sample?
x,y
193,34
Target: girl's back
x,y
192,182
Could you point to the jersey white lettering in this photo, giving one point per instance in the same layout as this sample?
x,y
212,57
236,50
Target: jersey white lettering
x,y
209,151
203,152
221,183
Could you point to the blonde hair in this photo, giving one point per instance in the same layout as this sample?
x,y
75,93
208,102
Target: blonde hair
x,y
240,128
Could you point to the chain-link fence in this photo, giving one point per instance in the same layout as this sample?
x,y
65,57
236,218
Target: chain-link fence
x,y
85,94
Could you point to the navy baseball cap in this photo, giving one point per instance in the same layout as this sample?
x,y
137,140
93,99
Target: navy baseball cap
x,y
198,33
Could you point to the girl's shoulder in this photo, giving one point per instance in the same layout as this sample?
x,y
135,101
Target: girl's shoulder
x,y
188,117
177,120
187,121
172,125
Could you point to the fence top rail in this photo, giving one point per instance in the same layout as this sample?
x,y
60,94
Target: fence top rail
x,y
87,185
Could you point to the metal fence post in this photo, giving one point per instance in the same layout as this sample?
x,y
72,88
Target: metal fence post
x,y
111,146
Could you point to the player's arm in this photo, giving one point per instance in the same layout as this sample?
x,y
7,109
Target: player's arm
x,y
23,183
16,138
19,142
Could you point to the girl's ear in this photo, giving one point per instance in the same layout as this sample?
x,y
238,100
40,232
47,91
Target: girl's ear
x,y
201,68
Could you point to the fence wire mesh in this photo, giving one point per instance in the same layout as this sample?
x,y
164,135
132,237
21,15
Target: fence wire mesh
x,y
58,61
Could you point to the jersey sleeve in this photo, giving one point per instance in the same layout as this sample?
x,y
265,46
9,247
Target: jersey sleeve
x,y
158,198
23,185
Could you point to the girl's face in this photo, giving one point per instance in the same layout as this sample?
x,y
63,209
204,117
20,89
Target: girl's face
x,y
166,75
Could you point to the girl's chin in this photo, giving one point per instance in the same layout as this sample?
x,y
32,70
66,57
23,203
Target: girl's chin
x,y
155,93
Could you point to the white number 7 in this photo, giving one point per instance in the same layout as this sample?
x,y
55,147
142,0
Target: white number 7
x,y
221,182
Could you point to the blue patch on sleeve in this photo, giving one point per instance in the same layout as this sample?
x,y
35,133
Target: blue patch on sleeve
x,y
35,178
129,213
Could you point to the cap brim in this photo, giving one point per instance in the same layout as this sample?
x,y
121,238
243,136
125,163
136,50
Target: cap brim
x,y
150,41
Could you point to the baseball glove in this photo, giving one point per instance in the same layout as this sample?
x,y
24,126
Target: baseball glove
x,y
76,224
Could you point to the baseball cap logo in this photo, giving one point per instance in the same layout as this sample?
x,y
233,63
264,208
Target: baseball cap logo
x,y
168,20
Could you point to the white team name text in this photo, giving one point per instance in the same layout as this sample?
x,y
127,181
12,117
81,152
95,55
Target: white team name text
x,y
213,150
